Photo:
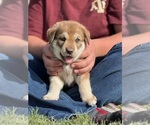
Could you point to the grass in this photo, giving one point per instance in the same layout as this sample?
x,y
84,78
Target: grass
x,y
42,120
11,118
79,120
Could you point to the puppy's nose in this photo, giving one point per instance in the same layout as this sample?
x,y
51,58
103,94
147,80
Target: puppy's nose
x,y
69,51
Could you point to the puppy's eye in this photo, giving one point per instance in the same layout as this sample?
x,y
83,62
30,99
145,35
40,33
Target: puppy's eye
x,y
77,39
63,39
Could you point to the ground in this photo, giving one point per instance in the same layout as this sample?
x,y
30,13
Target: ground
x,y
10,118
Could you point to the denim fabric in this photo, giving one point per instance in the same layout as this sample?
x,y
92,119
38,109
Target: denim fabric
x,y
105,81
136,75
12,85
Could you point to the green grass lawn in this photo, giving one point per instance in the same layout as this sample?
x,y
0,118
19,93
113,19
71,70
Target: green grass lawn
x,y
10,118
35,119
42,120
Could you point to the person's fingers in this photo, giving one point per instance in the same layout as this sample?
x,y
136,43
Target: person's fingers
x,y
54,69
83,63
84,55
84,70
48,52
50,62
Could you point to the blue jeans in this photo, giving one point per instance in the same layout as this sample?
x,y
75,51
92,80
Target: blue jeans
x,y
13,85
136,75
106,82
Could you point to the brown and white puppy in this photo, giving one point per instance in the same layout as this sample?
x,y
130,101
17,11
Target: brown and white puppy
x,y
68,39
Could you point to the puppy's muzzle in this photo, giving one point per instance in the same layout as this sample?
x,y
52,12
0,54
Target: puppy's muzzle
x,y
69,51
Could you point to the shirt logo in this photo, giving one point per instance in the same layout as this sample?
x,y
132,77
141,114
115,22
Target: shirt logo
x,y
99,6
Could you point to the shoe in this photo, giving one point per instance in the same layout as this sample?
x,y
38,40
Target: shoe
x,y
133,112
106,114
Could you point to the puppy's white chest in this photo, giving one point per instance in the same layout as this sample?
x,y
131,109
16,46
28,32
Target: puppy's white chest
x,y
68,75
67,69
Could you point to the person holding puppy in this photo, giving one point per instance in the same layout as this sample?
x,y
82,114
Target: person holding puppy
x,y
102,56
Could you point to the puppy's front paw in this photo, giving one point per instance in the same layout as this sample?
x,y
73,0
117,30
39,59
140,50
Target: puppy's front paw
x,y
25,97
91,100
50,97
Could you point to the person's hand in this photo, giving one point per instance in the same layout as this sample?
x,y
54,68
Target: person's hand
x,y
53,65
87,60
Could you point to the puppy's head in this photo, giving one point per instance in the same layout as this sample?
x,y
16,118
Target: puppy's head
x,y
68,40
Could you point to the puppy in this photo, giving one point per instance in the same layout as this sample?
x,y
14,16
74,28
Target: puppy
x,y
68,39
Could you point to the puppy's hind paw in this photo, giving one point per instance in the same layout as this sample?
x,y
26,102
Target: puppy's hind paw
x,y
50,97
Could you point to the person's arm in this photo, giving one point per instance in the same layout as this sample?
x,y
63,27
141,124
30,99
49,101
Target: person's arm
x,y
12,30
14,47
96,48
136,16
130,42
103,45
36,46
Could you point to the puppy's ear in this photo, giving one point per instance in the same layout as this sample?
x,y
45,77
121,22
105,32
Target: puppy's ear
x,y
51,32
86,34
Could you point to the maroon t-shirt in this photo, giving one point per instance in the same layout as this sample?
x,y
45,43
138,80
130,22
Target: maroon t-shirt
x,y
13,18
134,12
45,13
